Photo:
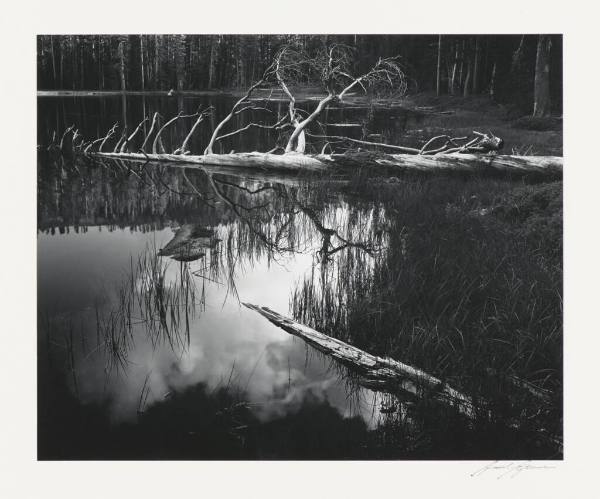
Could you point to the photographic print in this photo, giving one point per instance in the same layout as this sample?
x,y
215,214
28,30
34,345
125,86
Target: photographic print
x,y
299,247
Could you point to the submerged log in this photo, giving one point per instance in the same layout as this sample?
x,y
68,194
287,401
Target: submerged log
x,y
454,162
376,373
190,242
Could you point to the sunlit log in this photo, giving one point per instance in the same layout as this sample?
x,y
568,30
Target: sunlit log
x,y
550,166
379,373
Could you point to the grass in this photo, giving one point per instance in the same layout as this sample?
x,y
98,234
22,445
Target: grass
x,y
469,288
149,301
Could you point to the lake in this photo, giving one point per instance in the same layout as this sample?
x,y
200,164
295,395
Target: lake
x,y
145,349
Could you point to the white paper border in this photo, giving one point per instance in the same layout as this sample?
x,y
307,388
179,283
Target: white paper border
x,y
22,476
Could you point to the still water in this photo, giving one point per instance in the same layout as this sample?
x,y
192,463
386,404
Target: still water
x,y
108,231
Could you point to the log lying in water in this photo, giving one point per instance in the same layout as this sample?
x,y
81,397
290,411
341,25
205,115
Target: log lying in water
x,y
376,373
293,162
455,162
388,375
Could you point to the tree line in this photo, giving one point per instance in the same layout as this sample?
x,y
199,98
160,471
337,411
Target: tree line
x,y
524,71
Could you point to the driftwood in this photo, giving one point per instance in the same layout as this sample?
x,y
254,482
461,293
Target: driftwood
x,y
376,373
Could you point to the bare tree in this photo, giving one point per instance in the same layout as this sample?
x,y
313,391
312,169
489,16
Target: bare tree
x,y
332,66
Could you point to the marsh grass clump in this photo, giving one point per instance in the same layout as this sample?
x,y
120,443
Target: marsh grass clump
x,y
166,305
149,300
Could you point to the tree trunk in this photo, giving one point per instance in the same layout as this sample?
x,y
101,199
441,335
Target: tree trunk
x,y
467,81
81,66
142,62
180,61
462,66
212,64
517,55
454,67
476,66
156,58
241,69
298,136
62,64
100,64
541,99
122,66
123,88
493,81
549,166
439,65
73,44
376,373
53,61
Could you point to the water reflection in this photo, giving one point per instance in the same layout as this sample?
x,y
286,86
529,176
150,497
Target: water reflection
x,y
94,116
141,268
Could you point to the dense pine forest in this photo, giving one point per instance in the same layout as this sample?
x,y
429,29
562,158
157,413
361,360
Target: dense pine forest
x,y
508,68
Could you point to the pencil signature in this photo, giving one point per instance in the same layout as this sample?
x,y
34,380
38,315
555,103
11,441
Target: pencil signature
x,y
510,469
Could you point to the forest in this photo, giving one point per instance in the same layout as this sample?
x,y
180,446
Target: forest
x,y
501,66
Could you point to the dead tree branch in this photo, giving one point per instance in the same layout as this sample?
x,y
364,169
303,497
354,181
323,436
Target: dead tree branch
x,y
332,66
108,136
120,141
449,140
184,146
367,143
275,126
130,138
236,109
483,142
172,120
102,139
65,133
154,120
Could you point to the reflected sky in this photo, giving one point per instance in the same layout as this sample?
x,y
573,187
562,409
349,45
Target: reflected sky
x,y
79,273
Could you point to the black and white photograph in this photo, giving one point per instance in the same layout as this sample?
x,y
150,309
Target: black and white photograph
x,y
312,249
299,247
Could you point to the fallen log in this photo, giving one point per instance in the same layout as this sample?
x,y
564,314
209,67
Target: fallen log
x,y
454,162
292,161
331,67
376,373
391,376
292,178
